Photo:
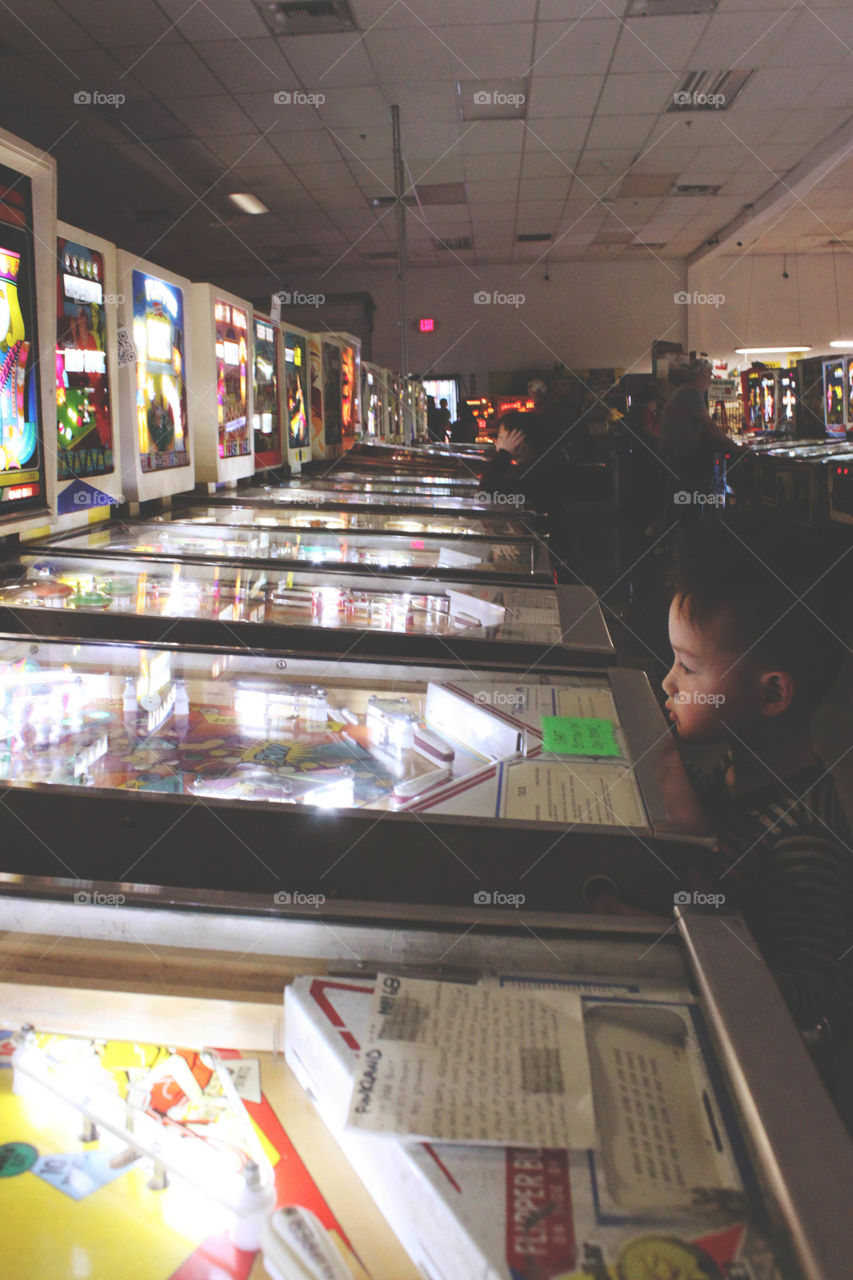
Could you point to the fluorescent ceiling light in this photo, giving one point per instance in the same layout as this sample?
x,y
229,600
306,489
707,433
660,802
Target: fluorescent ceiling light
x,y
248,203
842,342
769,351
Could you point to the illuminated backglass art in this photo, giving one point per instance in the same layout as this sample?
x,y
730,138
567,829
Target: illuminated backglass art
x,y
296,371
833,396
232,366
348,390
21,458
84,445
332,396
265,419
161,394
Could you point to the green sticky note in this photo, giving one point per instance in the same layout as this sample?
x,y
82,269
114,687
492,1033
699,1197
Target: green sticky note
x,y
579,736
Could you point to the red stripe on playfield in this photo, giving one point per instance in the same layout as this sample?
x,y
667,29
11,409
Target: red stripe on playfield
x,y
216,1258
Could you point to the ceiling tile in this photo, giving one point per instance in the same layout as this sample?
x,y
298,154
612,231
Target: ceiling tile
x,y
620,131
266,113
613,163
497,135
814,41
220,114
547,164
233,148
215,19
625,95
658,44
581,47
362,106
767,90
424,57
331,61
484,52
747,38
556,135
170,71
256,63
46,16
562,95
325,177
427,141
488,192
310,145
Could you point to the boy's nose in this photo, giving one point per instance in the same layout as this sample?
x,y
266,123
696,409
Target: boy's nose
x,y
669,684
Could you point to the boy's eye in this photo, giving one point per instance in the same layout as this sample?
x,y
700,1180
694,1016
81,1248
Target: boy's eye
x,y
687,670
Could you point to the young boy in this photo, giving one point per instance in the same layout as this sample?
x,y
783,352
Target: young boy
x,y
757,642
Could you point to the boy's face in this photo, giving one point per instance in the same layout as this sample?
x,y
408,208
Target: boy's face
x,y
709,688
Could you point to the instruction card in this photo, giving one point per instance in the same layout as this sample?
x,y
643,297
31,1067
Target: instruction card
x,y
568,792
474,1064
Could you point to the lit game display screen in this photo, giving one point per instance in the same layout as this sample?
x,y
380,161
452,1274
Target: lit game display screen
x,y
332,398
371,403
161,393
850,393
833,395
84,444
787,398
232,369
295,372
21,457
348,390
265,412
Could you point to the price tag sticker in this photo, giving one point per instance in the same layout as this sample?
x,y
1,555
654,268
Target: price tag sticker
x,y
579,736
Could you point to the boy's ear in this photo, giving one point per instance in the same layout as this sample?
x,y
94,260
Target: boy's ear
x,y
777,689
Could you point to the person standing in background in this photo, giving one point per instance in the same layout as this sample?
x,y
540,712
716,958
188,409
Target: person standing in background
x,y
442,421
689,439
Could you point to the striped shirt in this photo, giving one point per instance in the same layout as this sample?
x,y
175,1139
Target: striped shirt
x,y
786,863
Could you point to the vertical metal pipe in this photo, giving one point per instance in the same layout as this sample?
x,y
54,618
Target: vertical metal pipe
x,y
400,210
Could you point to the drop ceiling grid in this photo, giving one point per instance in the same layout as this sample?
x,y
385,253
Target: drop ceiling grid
x,y
586,59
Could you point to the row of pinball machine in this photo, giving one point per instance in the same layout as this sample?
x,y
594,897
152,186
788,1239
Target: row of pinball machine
x,y
306,792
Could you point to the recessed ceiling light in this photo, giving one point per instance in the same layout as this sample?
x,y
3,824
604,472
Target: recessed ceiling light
x,y
769,351
248,203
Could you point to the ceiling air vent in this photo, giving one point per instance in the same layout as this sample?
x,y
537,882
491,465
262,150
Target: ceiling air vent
x,y
709,90
536,237
454,244
308,18
695,189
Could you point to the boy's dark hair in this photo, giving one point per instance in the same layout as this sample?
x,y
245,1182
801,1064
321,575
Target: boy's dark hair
x,y
782,595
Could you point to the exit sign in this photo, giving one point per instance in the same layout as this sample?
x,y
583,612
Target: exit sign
x,y
427,325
